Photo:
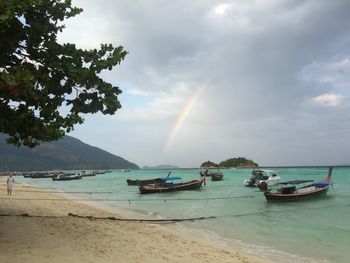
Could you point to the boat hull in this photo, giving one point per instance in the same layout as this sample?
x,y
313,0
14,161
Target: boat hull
x,y
217,177
279,197
192,185
40,175
67,178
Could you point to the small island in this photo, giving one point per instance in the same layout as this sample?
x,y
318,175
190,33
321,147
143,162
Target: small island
x,y
239,162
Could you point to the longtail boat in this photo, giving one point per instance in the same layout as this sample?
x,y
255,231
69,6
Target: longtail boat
x,y
147,181
88,173
292,191
39,175
64,177
217,177
167,186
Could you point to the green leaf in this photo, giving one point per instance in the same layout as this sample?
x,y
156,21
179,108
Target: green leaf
x,y
39,76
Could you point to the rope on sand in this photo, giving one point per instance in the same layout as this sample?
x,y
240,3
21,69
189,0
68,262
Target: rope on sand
x,y
172,220
143,220
112,218
130,200
61,192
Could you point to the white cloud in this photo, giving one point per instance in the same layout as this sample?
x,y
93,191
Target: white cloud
x,y
328,100
163,105
221,9
137,92
89,34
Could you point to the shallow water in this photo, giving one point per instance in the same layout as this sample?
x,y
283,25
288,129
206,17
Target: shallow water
x,y
315,230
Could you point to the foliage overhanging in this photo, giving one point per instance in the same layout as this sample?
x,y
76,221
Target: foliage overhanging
x,y
45,86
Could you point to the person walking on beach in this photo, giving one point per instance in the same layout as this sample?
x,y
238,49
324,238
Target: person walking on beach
x,y
10,183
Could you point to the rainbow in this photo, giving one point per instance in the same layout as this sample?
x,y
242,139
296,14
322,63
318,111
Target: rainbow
x,y
181,117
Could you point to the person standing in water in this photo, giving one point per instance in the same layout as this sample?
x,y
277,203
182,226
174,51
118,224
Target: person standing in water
x,y
203,177
10,183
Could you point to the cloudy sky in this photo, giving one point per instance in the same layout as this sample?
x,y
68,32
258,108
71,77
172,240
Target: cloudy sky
x,y
210,80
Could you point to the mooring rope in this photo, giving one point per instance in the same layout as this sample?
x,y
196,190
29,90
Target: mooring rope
x,y
112,218
128,200
171,220
61,192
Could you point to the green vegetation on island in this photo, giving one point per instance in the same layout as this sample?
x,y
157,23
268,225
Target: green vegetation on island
x,y
239,162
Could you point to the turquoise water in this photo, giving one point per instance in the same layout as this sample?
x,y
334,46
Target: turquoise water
x,y
316,230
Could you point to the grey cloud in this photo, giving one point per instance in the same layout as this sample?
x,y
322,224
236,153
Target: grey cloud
x,y
250,59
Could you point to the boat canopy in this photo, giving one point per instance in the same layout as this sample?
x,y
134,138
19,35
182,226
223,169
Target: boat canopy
x,y
170,178
298,182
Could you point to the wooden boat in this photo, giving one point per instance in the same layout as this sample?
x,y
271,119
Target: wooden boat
x,y
39,175
171,186
148,181
207,174
64,177
87,173
144,181
217,177
289,191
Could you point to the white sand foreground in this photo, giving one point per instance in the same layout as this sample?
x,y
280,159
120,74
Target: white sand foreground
x,y
60,238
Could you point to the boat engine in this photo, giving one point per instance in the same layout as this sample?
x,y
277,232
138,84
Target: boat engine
x,y
262,186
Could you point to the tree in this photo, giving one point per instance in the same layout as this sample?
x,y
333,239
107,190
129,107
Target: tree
x,y
45,86
208,164
238,162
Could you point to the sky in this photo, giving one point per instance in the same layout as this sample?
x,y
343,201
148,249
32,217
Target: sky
x,y
268,80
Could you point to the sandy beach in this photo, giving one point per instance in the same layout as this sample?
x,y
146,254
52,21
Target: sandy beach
x,y
48,234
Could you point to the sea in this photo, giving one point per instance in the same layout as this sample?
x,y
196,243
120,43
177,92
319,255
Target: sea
x,y
314,230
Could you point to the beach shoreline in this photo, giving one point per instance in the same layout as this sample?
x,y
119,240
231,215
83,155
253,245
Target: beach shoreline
x,y
49,234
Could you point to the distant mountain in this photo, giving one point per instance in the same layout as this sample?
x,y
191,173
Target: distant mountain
x,y
66,154
160,167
